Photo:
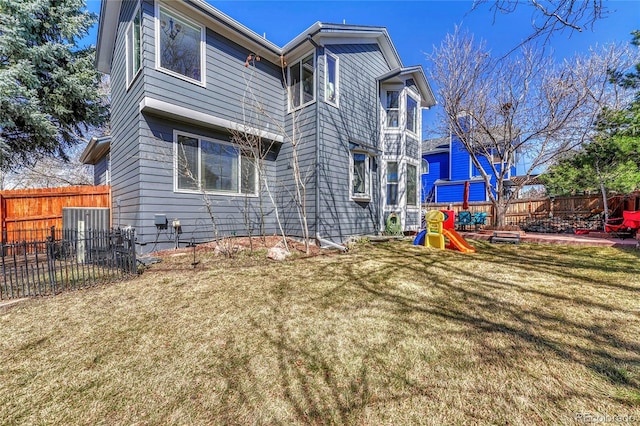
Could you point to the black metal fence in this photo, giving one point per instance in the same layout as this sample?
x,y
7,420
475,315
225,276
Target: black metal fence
x,y
65,260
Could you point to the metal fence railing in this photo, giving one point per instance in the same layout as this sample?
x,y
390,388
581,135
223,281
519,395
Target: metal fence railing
x,y
65,260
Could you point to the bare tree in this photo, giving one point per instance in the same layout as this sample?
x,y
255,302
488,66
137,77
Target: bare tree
x,y
293,138
256,148
550,16
522,106
49,172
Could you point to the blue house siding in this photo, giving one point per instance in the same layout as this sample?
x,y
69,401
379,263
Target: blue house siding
x,y
454,192
460,163
438,169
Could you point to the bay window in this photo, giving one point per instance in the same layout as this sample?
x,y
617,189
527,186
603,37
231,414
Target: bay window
x,y
412,185
392,108
392,183
412,114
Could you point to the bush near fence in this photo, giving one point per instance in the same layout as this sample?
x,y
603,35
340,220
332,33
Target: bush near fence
x,y
65,260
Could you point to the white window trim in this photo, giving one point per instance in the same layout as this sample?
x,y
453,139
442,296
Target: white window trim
x,y
360,196
423,161
406,190
409,94
129,55
203,57
386,128
326,78
176,189
291,108
398,183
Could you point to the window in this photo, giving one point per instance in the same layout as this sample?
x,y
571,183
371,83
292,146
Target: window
x,y
412,185
213,167
425,167
302,82
133,42
392,183
412,114
180,47
331,79
360,176
393,108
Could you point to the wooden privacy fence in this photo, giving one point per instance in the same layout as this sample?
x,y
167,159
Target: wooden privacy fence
x,y
524,210
24,210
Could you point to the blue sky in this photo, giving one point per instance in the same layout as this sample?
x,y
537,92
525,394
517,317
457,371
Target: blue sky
x,y
416,26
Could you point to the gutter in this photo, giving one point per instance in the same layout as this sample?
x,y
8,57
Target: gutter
x,y
316,221
330,244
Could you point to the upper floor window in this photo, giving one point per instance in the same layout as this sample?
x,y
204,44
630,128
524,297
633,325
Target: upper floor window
x,y
393,108
360,176
180,46
212,166
331,79
412,114
302,82
133,43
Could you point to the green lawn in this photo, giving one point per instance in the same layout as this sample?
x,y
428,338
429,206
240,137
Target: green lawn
x,y
385,334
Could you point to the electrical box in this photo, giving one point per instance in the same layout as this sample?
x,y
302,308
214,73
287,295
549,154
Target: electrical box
x,y
160,221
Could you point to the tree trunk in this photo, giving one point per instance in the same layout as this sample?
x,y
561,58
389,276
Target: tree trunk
x,y
500,219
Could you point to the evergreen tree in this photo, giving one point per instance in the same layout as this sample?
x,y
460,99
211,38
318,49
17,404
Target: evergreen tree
x,y
48,84
611,160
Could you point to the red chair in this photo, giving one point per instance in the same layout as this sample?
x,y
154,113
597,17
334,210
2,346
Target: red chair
x,y
625,226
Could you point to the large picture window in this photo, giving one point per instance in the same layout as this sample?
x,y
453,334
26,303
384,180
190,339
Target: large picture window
x,y
412,185
392,183
331,79
302,82
134,52
360,176
213,166
180,46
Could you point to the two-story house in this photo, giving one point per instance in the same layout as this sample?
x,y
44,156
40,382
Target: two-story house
x,y
188,90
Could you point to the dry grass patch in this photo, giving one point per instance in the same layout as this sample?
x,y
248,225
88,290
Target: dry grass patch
x,y
386,334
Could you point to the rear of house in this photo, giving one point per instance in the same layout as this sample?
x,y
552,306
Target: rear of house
x,y
207,115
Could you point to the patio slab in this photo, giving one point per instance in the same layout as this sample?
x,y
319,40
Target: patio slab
x,y
568,239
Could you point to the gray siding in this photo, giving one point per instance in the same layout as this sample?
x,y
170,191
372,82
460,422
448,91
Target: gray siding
x,y
356,120
231,88
125,170
233,215
101,173
301,128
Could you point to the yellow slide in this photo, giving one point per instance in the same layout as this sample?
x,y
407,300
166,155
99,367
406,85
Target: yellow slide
x,y
457,241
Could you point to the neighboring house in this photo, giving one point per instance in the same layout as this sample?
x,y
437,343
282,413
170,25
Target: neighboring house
x,y
446,166
183,83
